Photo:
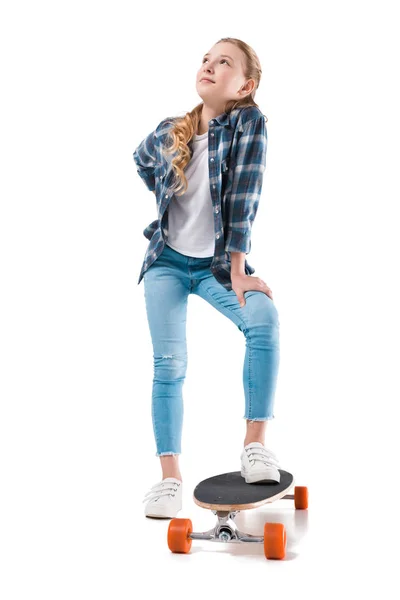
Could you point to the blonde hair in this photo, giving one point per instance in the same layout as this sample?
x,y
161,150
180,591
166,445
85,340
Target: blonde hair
x,y
185,127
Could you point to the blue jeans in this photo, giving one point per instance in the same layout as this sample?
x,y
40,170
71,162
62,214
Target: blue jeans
x,y
167,285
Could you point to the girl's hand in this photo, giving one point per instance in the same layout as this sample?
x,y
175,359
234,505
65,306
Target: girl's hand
x,y
245,283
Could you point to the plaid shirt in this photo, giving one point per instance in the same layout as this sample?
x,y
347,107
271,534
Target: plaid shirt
x,y
237,146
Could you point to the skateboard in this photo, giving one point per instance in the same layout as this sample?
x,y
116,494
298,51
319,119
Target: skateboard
x,y
226,495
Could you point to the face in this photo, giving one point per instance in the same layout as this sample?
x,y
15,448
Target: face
x,y
223,66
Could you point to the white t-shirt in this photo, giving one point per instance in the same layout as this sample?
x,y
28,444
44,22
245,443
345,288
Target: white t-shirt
x,y
190,216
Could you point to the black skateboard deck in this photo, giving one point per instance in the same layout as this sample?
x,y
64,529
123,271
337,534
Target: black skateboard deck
x,y
229,491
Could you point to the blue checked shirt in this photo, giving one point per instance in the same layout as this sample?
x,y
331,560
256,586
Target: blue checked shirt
x,y
237,147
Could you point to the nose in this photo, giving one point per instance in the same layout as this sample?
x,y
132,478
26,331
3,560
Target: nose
x,y
205,72
207,68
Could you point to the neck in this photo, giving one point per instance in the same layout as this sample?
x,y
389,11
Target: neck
x,y
207,114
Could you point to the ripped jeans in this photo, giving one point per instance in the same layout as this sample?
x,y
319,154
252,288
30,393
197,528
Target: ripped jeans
x,y
167,285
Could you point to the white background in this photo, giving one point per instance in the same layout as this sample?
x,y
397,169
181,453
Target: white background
x,y
82,84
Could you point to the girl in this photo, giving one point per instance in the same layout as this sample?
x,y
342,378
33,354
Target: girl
x,y
206,170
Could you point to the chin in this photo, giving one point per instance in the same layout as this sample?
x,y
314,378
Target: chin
x,y
203,93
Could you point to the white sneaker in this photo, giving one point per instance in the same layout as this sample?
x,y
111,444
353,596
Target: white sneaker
x,y
164,500
259,464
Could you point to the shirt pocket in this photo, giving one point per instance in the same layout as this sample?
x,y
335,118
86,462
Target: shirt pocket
x,y
225,165
225,176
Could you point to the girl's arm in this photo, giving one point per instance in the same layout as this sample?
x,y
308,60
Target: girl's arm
x,y
237,263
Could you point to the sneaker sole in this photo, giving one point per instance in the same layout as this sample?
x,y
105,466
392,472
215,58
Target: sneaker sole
x,y
163,513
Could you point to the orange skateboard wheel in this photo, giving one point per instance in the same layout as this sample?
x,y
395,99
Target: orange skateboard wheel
x,y
301,497
274,540
178,535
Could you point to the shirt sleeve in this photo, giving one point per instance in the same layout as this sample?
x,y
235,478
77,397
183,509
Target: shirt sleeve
x,y
246,185
145,157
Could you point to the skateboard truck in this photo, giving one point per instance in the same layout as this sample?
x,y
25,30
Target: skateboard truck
x,y
225,530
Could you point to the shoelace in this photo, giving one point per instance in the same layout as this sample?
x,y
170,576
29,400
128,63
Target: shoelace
x,y
161,489
267,456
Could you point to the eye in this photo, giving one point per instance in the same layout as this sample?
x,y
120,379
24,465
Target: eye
x,y
222,60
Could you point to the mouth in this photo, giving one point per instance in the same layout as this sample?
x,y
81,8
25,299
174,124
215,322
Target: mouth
x,y
207,80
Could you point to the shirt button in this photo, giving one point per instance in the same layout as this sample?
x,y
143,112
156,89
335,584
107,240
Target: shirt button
x,y
212,134
212,160
217,236
216,209
166,195
212,121
213,185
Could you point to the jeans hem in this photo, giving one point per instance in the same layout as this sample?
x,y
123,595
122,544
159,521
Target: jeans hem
x,y
167,453
260,418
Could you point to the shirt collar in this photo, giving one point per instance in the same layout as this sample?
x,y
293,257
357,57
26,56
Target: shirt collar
x,y
222,119
227,119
